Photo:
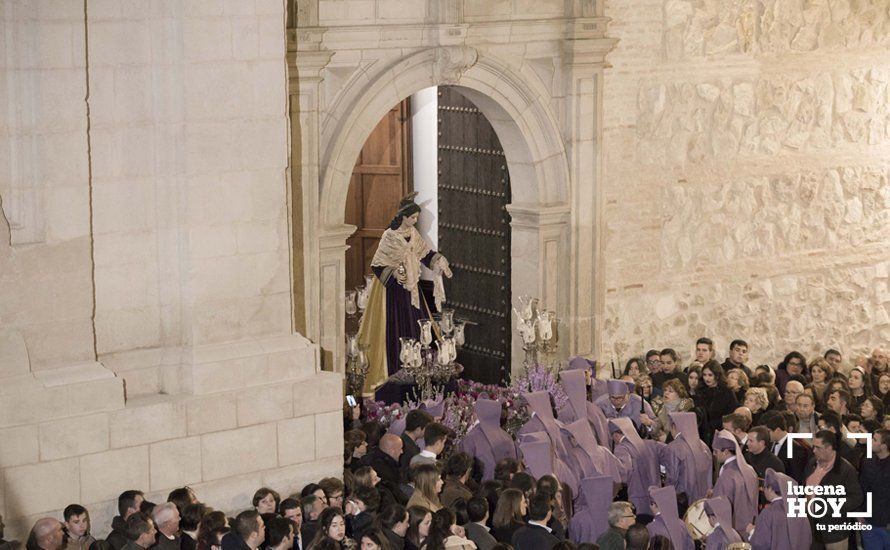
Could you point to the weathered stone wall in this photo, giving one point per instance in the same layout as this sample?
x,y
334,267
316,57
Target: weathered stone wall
x,y
747,173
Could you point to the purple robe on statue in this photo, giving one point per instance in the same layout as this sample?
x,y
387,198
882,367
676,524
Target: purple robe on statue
x,y
639,462
667,522
774,529
579,407
737,481
593,459
632,409
487,441
687,460
723,534
591,511
401,316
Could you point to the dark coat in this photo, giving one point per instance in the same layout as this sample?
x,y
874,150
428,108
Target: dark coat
x,y
117,538
714,403
410,449
613,539
388,470
533,537
842,473
187,542
797,464
397,542
163,543
480,536
453,490
504,535
359,524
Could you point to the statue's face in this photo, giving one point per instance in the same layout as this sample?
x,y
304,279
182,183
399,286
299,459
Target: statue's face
x,y
411,221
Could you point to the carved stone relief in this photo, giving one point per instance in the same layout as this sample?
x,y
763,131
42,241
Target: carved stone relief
x,y
707,27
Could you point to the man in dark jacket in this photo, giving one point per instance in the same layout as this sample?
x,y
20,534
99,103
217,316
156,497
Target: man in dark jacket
x,y
415,423
248,532
385,461
828,469
777,425
875,478
166,518
535,534
128,503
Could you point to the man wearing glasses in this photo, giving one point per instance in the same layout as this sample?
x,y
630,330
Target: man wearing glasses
x,y
621,516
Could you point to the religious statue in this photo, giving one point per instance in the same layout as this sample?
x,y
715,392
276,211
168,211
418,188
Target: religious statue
x,y
395,304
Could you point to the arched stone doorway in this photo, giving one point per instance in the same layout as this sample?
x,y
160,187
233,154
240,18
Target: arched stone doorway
x,y
552,175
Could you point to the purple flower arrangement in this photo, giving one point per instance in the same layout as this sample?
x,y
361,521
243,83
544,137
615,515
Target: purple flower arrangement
x,y
540,378
383,413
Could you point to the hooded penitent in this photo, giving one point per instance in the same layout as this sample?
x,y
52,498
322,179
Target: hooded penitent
x,y
487,441
687,459
639,460
597,386
773,528
590,518
574,382
668,523
592,458
737,481
724,534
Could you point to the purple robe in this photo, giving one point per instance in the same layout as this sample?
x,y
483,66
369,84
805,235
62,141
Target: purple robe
x,y
687,460
592,458
579,407
774,529
639,461
542,418
667,522
540,459
737,482
722,535
487,441
590,519
401,316
597,386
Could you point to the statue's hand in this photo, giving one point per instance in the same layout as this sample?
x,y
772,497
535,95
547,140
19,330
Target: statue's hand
x,y
444,267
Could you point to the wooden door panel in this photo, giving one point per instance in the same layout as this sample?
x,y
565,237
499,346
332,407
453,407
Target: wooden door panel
x,y
474,233
380,178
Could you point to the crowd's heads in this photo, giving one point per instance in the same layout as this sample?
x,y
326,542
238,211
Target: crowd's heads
x,y
712,374
290,508
419,521
637,537
47,534
395,518
621,515
141,529
459,465
182,497
77,520
392,445
674,389
280,533
738,352
511,507
333,491
670,360
249,525
539,507
416,421
704,350
825,446
129,502
166,517
435,436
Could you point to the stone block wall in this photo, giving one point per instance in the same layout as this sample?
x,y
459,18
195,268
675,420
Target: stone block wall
x,y
747,172
225,445
146,333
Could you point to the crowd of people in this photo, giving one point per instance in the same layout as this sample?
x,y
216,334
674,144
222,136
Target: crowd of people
x,y
620,466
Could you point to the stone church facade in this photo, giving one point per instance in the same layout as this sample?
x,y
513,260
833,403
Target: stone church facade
x,y
172,235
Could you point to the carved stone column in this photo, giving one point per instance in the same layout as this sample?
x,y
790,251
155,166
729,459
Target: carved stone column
x,y
332,289
585,61
539,253
306,61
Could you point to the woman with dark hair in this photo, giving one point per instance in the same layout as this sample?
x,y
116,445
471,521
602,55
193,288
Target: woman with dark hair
x,y
635,368
442,533
355,446
794,363
332,528
693,380
715,399
419,521
507,519
210,523
266,501
393,522
860,388
375,540
395,304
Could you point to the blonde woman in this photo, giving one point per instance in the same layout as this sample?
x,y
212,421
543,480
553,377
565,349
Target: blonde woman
x,y
756,401
675,399
738,382
427,486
